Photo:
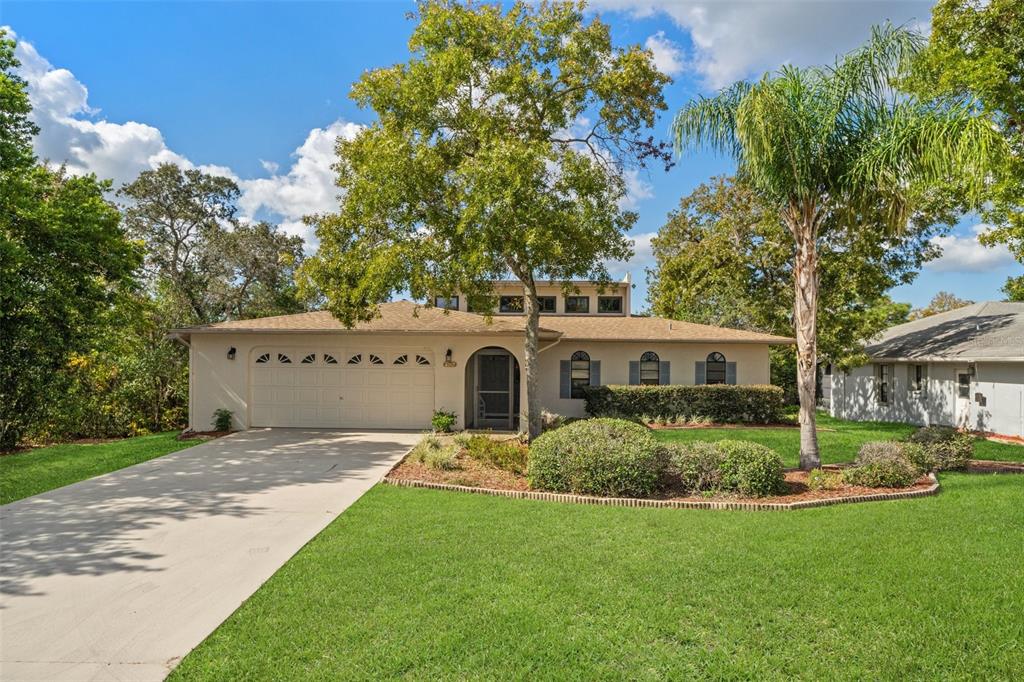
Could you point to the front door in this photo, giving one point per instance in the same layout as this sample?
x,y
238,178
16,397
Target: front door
x,y
962,397
495,398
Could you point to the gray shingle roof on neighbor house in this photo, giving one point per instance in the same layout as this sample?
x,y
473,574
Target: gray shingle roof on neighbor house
x,y
982,331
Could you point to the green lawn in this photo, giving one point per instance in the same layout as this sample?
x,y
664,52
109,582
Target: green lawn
x,y
838,440
36,471
435,585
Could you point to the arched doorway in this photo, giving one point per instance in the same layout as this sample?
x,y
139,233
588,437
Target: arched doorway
x,y
492,390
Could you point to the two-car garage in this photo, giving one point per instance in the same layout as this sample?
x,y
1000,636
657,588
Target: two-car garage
x,y
341,387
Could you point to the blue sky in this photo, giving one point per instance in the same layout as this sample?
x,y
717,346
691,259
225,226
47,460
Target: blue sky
x,y
258,91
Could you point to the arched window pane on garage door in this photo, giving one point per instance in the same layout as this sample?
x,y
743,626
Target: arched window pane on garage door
x,y
716,369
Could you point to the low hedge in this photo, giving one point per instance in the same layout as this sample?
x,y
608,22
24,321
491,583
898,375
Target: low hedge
x,y
597,457
713,402
950,449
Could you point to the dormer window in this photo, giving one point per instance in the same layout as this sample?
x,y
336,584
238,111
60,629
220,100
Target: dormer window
x,y
577,304
609,304
446,302
510,304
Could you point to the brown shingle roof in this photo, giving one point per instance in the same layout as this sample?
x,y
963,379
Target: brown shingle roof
x,y
403,316
650,329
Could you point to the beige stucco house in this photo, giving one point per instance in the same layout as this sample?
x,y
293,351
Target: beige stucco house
x,y
308,370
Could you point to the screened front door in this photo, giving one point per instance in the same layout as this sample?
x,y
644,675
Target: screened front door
x,y
496,390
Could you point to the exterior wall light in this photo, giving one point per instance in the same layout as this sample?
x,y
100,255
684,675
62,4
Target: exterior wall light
x,y
231,353
448,362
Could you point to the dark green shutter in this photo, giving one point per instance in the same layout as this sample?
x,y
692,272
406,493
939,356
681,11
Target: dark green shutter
x,y
730,372
564,385
595,372
664,373
700,376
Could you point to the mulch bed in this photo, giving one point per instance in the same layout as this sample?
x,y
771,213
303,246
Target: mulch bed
x,y
475,474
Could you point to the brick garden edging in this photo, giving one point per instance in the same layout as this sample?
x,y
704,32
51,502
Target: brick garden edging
x,y
933,489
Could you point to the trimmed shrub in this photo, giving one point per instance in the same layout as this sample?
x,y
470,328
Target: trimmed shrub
x,y
822,479
222,419
597,457
715,402
750,468
503,454
951,449
443,421
896,473
695,465
919,456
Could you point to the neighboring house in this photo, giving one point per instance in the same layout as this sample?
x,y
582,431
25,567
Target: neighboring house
x,y
961,368
308,370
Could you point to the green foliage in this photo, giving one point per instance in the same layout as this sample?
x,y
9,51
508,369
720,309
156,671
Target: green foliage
x,y
975,57
946,447
499,147
724,258
750,468
883,474
823,479
443,421
942,302
222,418
678,403
509,455
885,464
209,265
695,465
16,128
64,261
598,457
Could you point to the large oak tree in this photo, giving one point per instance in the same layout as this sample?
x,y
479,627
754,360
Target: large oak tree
x,y
499,147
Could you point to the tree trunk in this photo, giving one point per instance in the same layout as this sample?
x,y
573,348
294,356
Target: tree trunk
x,y
530,353
803,224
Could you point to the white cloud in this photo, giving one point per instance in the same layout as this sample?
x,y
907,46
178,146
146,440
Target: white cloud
x,y
734,40
964,253
643,257
637,189
71,133
668,57
308,186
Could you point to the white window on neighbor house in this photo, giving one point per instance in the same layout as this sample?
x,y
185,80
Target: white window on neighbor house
x,y
883,384
446,302
917,379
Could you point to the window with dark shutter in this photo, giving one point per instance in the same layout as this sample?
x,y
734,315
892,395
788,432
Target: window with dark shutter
x,y
579,373
715,369
650,369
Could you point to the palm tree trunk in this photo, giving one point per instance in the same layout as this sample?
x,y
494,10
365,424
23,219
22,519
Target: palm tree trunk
x,y
805,319
531,355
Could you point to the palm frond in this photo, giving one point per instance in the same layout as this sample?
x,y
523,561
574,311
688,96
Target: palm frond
x,y
710,122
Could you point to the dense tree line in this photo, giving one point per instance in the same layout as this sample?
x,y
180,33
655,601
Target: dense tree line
x,y
91,280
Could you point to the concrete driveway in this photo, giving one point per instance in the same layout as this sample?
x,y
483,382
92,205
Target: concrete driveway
x,y
118,577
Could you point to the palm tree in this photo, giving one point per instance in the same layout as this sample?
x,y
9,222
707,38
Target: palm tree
x,y
832,143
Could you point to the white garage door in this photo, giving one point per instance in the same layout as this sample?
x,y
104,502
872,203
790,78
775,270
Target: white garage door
x,y
342,388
